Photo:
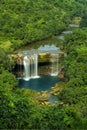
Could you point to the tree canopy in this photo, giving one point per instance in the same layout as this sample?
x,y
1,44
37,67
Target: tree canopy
x,y
23,22
26,21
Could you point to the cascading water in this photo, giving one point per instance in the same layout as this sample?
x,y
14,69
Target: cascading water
x,y
30,61
26,62
35,66
54,66
30,67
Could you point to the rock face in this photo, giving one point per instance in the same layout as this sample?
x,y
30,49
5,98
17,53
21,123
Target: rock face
x,y
45,62
42,57
17,58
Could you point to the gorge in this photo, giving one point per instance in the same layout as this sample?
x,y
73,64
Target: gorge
x,y
28,66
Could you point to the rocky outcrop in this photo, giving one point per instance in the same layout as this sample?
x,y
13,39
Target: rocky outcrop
x,y
57,89
43,97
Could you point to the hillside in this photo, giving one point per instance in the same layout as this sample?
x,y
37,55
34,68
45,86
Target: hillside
x,y
22,23
25,21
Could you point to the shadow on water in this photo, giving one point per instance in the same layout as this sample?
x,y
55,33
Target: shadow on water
x,y
53,99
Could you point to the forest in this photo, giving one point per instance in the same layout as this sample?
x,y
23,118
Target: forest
x,y
23,23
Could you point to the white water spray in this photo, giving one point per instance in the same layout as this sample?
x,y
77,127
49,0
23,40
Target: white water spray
x,y
26,62
30,67
35,65
54,66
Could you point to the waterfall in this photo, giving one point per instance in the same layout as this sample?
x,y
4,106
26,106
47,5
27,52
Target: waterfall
x,y
54,66
26,62
30,67
35,66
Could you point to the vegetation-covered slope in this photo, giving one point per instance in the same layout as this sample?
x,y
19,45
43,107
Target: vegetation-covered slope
x,y
25,21
75,92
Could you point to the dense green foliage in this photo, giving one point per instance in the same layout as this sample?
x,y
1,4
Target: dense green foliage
x,y
84,20
75,92
23,22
